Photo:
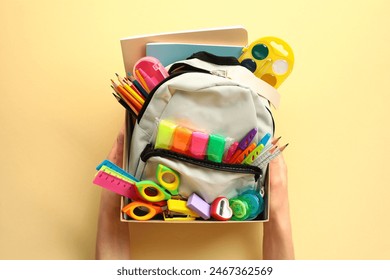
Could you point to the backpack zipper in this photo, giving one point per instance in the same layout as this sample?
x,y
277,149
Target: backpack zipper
x,y
149,152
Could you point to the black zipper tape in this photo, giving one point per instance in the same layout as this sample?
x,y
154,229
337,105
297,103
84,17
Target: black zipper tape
x,y
215,59
149,152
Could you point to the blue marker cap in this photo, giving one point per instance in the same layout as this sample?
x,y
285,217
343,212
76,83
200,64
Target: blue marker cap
x,y
265,139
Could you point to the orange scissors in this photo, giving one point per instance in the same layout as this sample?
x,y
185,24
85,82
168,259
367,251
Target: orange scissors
x,y
154,195
143,211
168,185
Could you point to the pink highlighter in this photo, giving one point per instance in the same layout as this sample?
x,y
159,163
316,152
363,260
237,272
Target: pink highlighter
x,y
198,145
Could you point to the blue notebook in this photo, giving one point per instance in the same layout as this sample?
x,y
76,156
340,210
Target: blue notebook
x,y
168,53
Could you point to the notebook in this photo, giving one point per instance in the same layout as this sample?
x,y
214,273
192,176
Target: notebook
x,y
134,48
168,53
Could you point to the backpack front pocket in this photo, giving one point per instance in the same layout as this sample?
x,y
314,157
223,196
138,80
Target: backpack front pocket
x,y
207,179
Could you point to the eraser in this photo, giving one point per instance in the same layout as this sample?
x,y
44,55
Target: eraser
x,y
215,148
165,134
198,144
181,140
199,206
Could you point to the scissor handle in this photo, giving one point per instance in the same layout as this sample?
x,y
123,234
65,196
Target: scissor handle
x,y
168,178
141,211
152,192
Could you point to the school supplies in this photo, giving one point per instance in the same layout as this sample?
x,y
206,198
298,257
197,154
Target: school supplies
x,y
242,156
215,147
126,84
180,206
198,144
142,211
220,209
136,85
165,132
232,149
150,72
126,96
152,192
115,184
257,150
181,140
132,92
171,52
116,168
133,48
213,108
243,145
199,206
168,179
270,156
211,115
271,59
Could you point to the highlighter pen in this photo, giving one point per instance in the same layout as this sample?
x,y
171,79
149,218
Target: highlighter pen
x,y
243,144
264,139
141,80
230,152
241,157
253,155
257,151
149,82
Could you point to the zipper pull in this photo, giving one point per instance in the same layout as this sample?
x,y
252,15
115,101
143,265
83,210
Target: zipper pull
x,y
220,73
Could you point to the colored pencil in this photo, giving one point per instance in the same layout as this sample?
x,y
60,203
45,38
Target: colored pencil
x,y
127,96
138,86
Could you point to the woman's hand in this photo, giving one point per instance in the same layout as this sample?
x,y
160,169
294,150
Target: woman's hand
x,y
277,235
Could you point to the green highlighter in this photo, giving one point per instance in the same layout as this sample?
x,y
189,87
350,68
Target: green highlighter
x,y
216,148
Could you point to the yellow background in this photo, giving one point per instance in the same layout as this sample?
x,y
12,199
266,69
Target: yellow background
x,y
58,121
